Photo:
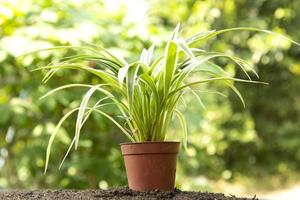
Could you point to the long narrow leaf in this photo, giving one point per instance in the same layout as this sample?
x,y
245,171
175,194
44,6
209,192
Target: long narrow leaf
x,y
216,79
170,66
184,127
81,111
53,135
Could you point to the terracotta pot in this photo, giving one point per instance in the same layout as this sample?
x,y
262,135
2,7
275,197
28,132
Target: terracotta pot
x,y
150,165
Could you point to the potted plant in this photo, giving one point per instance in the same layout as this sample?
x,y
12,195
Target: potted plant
x,y
147,92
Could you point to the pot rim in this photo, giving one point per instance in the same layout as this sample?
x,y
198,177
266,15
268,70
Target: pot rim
x,y
149,142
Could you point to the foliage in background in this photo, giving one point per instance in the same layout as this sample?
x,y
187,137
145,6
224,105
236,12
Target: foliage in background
x,y
226,141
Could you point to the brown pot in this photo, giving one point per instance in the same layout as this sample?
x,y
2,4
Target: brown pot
x,y
150,165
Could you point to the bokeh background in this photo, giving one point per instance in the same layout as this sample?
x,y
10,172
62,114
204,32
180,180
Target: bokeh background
x,y
231,149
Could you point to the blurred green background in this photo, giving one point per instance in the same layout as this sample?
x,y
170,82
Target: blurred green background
x,y
230,148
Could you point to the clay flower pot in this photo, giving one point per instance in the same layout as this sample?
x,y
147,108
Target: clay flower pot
x,y
150,165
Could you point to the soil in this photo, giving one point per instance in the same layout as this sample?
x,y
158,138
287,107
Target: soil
x,y
122,193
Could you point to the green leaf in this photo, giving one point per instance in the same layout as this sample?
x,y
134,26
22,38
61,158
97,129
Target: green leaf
x,y
130,82
215,79
122,74
185,47
170,66
81,112
184,127
53,135
175,33
198,98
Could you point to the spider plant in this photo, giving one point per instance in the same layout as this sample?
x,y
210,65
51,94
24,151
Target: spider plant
x,y
146,92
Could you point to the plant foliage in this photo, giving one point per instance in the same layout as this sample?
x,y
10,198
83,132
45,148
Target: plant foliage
x,y
147,91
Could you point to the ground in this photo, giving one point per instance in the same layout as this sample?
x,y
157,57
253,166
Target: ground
x,y
122,193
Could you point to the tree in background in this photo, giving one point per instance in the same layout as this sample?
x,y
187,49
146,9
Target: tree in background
x,y
228,143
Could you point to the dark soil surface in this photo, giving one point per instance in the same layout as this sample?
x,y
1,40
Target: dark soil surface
x,y
116,193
